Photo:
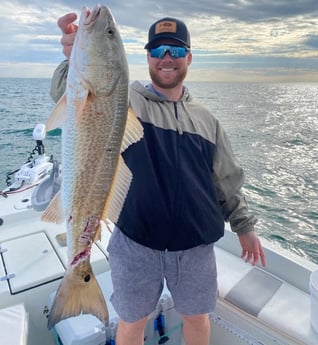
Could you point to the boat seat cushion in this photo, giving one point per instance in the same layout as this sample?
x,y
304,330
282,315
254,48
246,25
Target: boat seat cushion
x,y
253,291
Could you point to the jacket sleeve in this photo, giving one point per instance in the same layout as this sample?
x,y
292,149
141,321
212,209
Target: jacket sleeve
x,y
229,178
58,83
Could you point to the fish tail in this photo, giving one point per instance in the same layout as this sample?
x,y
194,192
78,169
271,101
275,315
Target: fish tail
x,y
73,299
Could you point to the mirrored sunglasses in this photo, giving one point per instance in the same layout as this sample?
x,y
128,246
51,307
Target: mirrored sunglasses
x,y
174,51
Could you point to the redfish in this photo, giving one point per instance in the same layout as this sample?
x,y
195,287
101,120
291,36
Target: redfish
x,y
96,127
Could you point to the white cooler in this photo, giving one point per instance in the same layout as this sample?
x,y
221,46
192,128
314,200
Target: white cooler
x,y
13,325
164,326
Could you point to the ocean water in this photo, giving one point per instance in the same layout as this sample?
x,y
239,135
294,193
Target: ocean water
x,y
273,129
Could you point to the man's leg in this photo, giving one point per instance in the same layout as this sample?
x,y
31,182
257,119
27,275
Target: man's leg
x,y
196,329
192,280
137,281
131,333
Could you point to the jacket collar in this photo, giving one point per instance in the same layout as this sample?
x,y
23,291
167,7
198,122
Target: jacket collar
x,y
149,92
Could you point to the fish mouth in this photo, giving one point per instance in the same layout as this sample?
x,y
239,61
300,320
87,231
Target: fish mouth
x,y
92,16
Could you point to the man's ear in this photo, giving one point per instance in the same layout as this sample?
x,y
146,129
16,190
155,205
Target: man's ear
x,y
189,57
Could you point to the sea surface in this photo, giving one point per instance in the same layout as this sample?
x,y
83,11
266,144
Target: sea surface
x,y
273,129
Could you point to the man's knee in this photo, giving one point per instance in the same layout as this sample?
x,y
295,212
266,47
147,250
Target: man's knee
x,y
196,329
132,329
196,321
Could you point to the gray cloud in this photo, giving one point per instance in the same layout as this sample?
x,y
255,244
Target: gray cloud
x,y
225,34
139,12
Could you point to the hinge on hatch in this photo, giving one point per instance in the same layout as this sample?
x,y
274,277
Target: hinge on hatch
x,y
3,250
7,277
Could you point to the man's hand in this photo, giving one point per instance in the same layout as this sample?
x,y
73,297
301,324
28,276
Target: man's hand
x,y
69,29
252,249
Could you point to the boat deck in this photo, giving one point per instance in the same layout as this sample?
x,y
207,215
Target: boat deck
x,y
255,305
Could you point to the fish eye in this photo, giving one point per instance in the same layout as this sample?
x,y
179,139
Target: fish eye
x,y
110,31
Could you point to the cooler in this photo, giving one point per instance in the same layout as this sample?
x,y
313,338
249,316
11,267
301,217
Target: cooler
x,y
164,326
13,325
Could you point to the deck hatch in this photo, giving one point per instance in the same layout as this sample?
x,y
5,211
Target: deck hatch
x,y
31,261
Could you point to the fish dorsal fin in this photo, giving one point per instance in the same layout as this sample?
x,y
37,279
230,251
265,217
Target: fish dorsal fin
x,y
123,176
58,115
118,192
54,212
133,131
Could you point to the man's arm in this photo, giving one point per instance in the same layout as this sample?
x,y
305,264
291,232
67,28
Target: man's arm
x,y
69,29
229,178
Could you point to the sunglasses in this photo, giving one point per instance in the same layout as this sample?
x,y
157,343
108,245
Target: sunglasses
x,y
174,51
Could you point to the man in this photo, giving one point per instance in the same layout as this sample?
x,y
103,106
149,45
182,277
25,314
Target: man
x,y
186,183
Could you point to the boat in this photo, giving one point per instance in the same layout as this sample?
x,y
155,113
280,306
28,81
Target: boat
x,y
275,305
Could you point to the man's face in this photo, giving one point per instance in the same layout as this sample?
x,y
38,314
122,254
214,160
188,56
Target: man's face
x,y
168,72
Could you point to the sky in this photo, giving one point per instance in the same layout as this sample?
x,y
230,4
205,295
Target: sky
x,y
232,40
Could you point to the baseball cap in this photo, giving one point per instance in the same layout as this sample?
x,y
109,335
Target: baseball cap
x,y
168,28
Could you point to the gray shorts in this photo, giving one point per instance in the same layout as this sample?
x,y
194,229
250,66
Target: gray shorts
x,y
138,275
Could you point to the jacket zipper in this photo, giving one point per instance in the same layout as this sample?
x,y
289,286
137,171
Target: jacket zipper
x,y
176,200
178,125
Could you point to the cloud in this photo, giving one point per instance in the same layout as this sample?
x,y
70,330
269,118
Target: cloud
x,y
238,34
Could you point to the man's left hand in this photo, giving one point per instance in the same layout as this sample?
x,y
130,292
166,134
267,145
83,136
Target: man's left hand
x,y
252,249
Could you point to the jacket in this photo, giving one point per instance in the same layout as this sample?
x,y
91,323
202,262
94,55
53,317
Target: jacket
x,y
186,180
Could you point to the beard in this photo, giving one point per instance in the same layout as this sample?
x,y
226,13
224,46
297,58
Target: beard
x,y
165,84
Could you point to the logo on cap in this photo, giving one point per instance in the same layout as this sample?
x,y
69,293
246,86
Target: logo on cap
x,y
166,26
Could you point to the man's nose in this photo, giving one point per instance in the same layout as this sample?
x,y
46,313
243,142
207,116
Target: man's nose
x,y
167,56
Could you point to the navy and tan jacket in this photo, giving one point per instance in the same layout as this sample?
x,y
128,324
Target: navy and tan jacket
x,y
186,180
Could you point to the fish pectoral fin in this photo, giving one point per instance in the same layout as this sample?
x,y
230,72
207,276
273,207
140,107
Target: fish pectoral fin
x,y
73,298
58,115
133,130
80,102
54,213
118,192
